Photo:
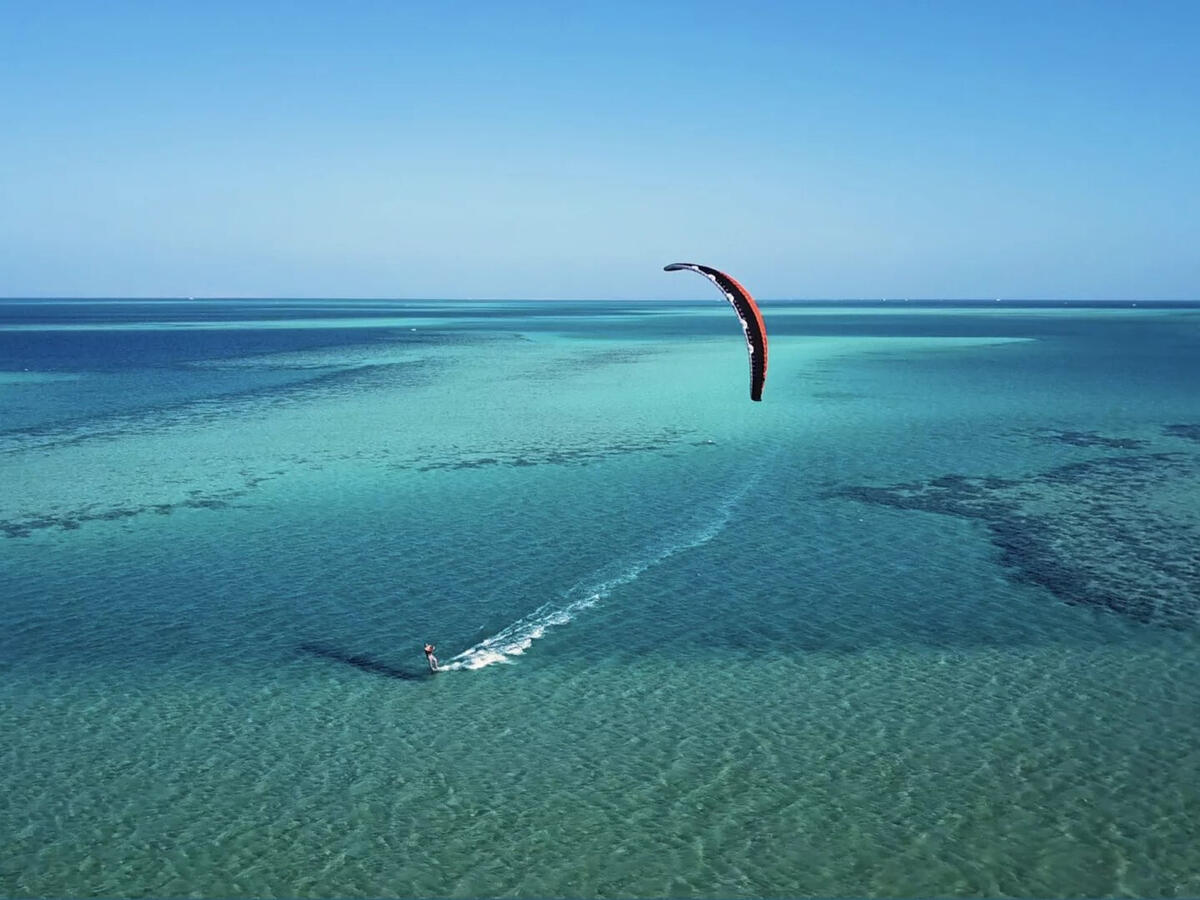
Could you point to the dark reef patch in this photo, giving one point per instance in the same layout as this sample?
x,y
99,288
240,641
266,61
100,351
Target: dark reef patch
x,y
1190,432
581,453
583,362
1086,439
74,519
837,395
1116,533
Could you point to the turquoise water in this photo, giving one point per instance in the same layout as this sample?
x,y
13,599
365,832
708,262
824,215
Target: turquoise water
x,y
923,622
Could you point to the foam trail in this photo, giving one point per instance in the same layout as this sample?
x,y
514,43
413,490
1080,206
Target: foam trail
x,y
515,639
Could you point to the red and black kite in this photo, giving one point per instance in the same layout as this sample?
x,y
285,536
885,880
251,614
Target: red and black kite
x,y
752,322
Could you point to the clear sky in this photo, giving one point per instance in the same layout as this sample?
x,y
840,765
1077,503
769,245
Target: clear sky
x,y
562,149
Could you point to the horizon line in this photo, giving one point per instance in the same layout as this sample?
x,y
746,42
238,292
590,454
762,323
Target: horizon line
x,y
380,299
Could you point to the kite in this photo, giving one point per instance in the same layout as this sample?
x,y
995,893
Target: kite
x,y
747,310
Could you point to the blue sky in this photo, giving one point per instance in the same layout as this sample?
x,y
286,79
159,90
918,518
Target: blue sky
x,y
815,150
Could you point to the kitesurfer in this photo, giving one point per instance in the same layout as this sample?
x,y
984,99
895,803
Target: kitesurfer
x,y
430,658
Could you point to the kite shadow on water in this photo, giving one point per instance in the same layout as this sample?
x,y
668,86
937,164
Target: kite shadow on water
x,y
364,663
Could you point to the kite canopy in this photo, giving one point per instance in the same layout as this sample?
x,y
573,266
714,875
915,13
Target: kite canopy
x,y
747,310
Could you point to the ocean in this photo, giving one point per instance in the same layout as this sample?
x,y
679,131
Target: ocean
x,y
924,622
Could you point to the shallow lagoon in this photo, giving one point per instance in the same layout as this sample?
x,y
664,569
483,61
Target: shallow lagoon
x,y
922,622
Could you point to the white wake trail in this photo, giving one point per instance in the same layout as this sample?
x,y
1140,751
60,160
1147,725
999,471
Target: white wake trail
x,y
516,638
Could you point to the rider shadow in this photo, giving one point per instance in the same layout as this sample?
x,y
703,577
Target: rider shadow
x,y
364,663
